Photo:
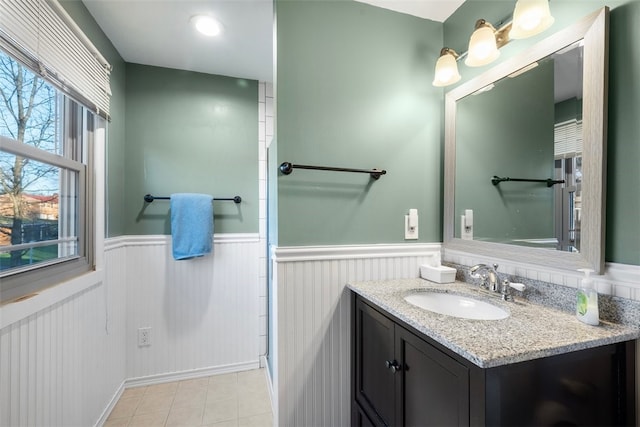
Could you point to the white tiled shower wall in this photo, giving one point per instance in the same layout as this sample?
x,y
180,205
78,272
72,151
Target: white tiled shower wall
x,y
265,135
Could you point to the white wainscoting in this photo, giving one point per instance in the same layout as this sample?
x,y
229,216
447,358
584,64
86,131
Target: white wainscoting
x,y
312,359
63,365
203,312
66,364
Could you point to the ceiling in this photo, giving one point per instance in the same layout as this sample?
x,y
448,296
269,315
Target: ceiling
x,y
435,10
157,32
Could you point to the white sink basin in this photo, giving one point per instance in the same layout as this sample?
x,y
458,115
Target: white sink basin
x,y
456,306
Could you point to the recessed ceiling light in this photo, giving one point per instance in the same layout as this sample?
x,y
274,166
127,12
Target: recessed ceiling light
x,y
207,25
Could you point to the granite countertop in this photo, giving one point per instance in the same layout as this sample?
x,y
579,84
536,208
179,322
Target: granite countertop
x,y
531,331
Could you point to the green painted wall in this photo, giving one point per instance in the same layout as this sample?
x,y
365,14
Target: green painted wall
x,y
493,136
190,132
623,157
623,154
354,90
568,110
116,129
174,131
357,93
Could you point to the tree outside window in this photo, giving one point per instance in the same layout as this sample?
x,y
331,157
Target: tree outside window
x,y
29,189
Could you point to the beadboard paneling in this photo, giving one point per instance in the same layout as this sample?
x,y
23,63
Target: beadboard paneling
x,y
62,365
312,361
202,312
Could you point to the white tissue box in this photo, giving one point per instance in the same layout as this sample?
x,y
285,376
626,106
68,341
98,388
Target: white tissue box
x,y
439,274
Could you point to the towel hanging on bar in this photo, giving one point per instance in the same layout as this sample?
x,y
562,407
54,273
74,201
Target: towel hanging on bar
x,y
191,225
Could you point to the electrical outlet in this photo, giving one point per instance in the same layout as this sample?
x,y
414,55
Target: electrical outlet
x,y
410,233
144,337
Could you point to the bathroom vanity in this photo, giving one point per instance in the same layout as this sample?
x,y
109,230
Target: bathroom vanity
x,y
537,367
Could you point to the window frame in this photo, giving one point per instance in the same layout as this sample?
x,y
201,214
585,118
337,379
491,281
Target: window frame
x,y
78,125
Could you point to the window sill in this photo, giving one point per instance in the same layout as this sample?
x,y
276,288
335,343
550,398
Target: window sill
x,y
13,312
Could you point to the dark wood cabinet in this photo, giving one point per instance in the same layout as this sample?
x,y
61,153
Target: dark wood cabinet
x,y
432,388
594,387
403,378
375,375
400,379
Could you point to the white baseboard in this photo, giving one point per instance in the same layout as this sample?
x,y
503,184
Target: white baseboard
x,y
190,374
112,403
179,376
269,378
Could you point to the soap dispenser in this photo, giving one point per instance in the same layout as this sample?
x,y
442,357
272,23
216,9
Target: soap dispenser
x,y
587,306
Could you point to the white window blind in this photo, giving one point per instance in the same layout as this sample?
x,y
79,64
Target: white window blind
x,y
41,34
567,139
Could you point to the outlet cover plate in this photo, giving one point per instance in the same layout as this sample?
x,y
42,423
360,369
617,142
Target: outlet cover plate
x,y
144,337
410,234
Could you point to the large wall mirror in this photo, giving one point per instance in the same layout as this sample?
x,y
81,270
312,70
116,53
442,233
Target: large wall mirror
x,y
525,153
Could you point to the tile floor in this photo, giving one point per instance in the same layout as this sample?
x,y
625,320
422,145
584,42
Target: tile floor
x,y
236,399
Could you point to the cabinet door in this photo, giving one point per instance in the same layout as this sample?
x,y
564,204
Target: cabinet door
x,y
434,388
374,381
360,419
586,387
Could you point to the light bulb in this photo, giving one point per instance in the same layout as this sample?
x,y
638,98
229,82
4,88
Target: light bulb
x,y
482,46
206,25
530,17
446,72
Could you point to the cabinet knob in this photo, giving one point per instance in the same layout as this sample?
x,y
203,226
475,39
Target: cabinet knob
x,y
393,365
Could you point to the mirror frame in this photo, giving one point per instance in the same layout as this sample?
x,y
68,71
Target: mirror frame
x,y
594,30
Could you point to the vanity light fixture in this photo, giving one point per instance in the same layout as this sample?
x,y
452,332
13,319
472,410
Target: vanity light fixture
x,y
206,25
446,68
483,48
530,17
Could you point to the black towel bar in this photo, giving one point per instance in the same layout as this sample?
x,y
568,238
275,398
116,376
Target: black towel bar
x,y
149,198
286,168
550,182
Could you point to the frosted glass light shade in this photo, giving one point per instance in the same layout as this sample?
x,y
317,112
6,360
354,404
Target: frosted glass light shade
x,y
530,17
482,47
446,71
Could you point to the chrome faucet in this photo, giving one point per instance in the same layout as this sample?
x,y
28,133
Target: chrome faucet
x,y
491,281
488,274
505,289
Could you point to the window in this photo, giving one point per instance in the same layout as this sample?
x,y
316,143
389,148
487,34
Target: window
x,y
54,103
46,188
567,139
568,198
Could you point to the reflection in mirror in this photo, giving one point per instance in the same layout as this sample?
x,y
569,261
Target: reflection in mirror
x,y
493,136
525,153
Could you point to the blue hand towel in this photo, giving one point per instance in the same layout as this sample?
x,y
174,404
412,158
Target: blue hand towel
x,y
191,225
